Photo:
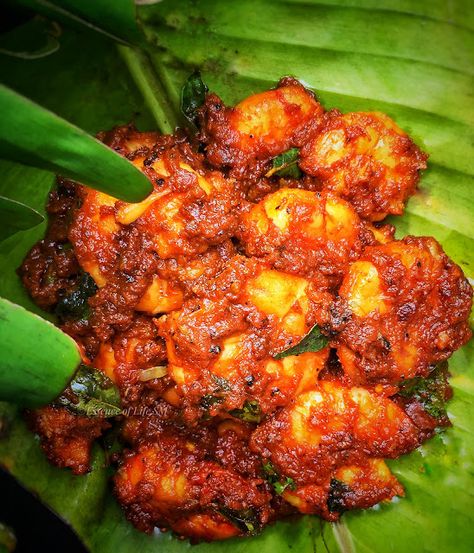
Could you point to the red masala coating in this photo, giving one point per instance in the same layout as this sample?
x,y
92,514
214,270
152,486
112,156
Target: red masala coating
x,y
227,264
304,232
329,427
172,483
51,268
333,429
129,352
366,159
246,137
402,308
220,345
67,439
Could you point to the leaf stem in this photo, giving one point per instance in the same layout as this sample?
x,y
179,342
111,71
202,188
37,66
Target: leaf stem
x,y
343,537
151,88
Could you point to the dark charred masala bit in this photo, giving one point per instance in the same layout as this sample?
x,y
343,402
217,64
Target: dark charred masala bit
x,y
336,497
250,412
270,341
340,315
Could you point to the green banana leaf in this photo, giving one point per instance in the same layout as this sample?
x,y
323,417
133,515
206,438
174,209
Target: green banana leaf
x,y
113,19
35,136
16,216
412,59
34,39
38,359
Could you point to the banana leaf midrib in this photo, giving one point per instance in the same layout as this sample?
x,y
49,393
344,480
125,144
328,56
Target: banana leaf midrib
x,y
165,114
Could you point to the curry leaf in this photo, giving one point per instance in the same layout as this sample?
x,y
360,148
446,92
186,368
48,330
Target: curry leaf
x,y
280,484
247,520
286,165
313,341
75,305
430,392
15,216
193,95
250,412
91,393
37,359
35,136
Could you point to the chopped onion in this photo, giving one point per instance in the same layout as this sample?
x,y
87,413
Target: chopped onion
x,y
154,372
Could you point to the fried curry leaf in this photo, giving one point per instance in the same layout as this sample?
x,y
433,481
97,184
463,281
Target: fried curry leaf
x,y
246,520
209,400
193,95
75,305
286,165
280,484
337,491
313,341
250,412
91,393
430,392
280,487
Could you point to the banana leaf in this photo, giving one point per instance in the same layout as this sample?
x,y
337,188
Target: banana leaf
x,y
409,58
35,136
38,360
16,216
34,39
113,19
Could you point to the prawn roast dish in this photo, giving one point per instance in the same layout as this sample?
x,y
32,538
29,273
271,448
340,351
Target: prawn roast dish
x,y
272,342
